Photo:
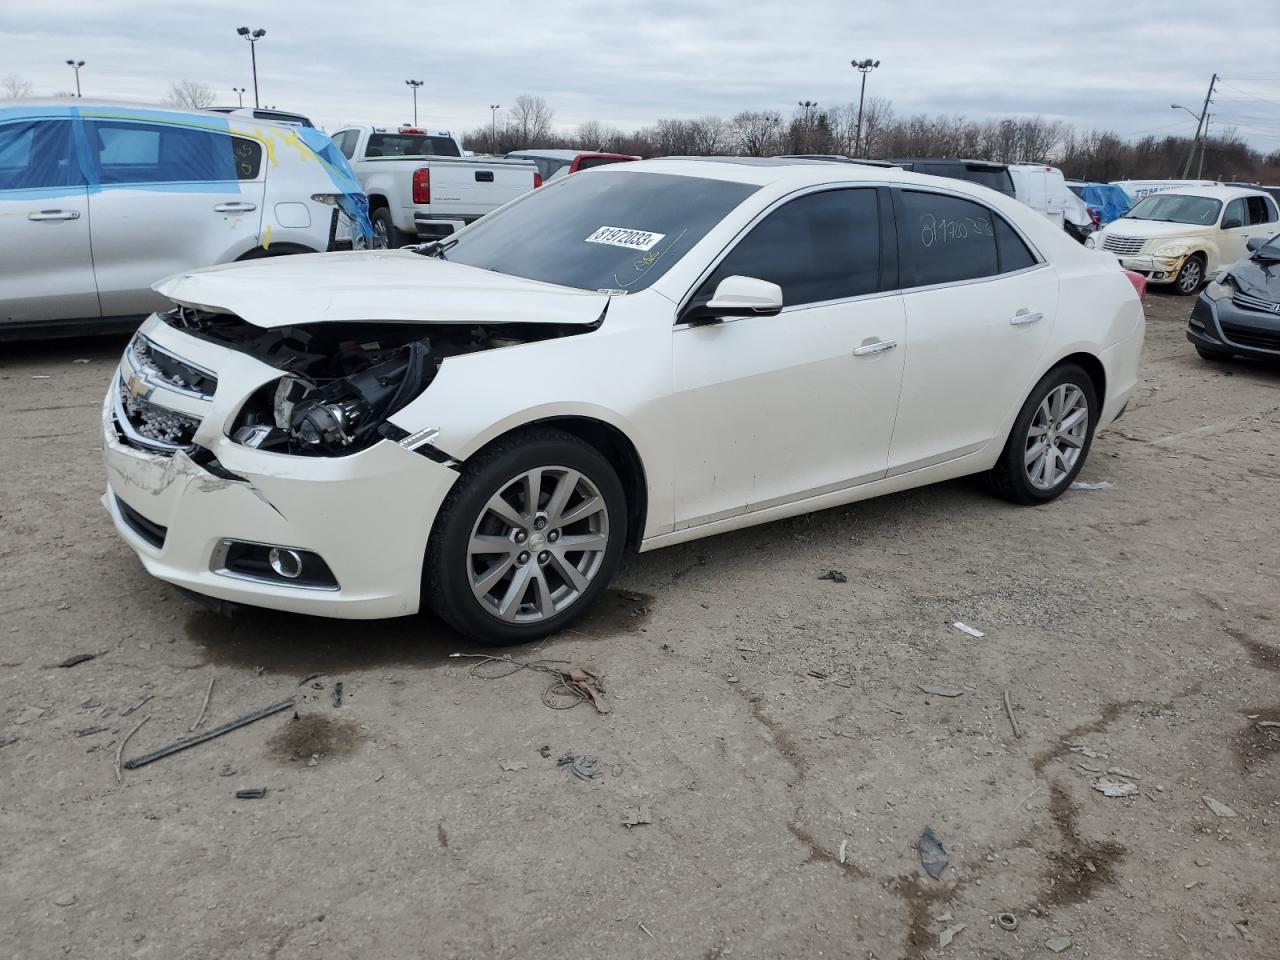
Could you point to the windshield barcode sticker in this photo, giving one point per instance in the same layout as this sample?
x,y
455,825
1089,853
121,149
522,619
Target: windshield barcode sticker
x,y
622,237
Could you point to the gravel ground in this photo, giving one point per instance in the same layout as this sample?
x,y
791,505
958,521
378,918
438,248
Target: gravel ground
x,y
771,723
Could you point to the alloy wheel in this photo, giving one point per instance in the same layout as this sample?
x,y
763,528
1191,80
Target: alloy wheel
x,y
537,544
1056,436
1189,278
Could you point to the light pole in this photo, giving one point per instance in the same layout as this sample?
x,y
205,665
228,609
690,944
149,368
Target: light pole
x,y
863,67
239,92
493,124
76,65
253,36
414,85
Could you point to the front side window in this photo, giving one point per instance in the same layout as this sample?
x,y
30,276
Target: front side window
x,y
1234,214
1176,208
129,152
346,142
609,231
36,154
822,246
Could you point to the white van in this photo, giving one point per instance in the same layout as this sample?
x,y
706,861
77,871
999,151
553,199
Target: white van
x,y
1141,189
1041,188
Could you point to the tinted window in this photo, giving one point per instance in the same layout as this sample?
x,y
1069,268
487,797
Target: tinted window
x,y
129,152
617,231
248,154
1234,211
586,163
995,178
945,239
823,246
36,153
1012,252
1077,189
1260,210
410,145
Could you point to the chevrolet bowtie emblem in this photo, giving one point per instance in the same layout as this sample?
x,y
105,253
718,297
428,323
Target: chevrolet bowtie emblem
x,y
137,387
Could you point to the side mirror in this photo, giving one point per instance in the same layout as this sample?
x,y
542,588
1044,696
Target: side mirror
x,y
739,297
1254,244
1232,223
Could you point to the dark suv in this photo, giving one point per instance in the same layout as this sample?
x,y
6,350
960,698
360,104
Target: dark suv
x,y
982,172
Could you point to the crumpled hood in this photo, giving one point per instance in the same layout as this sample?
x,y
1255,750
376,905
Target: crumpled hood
x,y
1258,278
1154,229
390,285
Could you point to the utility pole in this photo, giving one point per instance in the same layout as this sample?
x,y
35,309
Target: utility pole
x,y
414,85
1204,142
253,36
239,92
863,67
1204,113
493,126
76,65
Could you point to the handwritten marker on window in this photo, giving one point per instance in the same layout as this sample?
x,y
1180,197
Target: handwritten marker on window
x,y
971,631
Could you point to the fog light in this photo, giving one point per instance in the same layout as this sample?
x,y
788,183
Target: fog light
x,y
287,563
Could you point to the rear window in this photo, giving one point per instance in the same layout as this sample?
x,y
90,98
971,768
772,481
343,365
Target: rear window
x,y
1078,190
410,145
620,231
586,163
994,178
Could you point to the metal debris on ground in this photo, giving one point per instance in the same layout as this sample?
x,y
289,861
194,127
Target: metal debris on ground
x,y
337,694
90,731
949,934
844,846
933,855
251,793
1008,709
513,766
308,678
640,815
126,712
1007,921
645,929
574,683
1115,788
1218,808
582,766
79,658
1058,944
971,631
1122,772
835,576
1086,485
227,770
205,705
120,748
545,751
188,742
939,691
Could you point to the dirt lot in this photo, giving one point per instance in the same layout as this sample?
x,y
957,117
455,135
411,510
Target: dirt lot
x,y
772,722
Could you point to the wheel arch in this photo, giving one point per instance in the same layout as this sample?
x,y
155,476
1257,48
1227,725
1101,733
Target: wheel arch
x,y
275,250
1091,365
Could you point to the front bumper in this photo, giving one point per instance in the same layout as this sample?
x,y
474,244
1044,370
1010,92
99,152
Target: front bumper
x,y
1223,327
1155,269
366,515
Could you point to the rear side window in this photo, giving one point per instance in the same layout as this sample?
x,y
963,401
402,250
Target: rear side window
x,y
36,154
410,145
131,152
1011,252
823,246
248,154
945,239
1260,210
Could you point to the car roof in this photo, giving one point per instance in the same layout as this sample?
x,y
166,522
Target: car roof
x,y
550,154
1218,192
124,106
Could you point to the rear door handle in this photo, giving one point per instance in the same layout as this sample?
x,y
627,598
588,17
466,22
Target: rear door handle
x,y
55,215
236,206
870,349
1025,316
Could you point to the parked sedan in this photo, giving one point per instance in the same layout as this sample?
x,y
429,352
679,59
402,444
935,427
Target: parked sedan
x,y
552,164
1239,313
654,353
98,201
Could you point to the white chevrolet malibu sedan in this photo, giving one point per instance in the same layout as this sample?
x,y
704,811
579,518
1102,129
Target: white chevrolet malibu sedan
x,y
631,358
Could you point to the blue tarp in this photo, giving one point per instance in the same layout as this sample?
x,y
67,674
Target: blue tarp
x,y
1107,197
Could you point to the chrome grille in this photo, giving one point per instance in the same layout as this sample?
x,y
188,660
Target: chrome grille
x,y
1124,246
150,426
1246,302
158,367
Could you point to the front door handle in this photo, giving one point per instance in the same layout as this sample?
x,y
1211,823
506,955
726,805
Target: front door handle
x,y
1025,316
237,206
870,349
54,215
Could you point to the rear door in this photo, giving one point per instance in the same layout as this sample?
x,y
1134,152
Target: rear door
x,y
980,306
1261,211
44,224
173,197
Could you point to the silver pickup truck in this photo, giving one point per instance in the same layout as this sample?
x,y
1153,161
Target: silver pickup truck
x,y
420,187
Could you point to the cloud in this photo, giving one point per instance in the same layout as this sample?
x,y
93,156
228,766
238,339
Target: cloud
x,y
1092,64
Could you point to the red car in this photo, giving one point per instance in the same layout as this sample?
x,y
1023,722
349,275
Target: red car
x,y
559,163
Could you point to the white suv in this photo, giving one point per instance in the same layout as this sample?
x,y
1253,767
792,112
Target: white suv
x,y
99,201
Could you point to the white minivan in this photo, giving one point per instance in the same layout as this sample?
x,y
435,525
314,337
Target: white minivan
x,y
1042,188
99,201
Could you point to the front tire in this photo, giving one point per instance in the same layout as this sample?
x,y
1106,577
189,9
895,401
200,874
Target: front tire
x,y
1050,439
1191,276
527,538
386,235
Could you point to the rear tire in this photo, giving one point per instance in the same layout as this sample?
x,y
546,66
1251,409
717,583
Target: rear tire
x,y
1191,276
386,235
498,567
1050,439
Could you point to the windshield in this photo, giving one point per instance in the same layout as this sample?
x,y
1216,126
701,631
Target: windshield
x,y
617,231
1170,208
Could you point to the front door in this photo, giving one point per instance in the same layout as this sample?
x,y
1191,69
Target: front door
x,y
44,225
172,198
773,409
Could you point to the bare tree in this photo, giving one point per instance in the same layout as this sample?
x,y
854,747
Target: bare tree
x,y
530,120
709,136
191,94
757,132
13,86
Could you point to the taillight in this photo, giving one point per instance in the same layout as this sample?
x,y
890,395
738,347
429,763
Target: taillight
x,y
537,180
1096,216
1139,282
422,185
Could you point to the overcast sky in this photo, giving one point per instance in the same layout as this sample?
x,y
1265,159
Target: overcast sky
x,y
1093,64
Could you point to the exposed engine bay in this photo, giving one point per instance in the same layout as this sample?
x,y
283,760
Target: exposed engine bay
x,y
343,380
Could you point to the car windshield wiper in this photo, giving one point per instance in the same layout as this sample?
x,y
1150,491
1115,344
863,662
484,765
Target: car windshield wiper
x,y
435,248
